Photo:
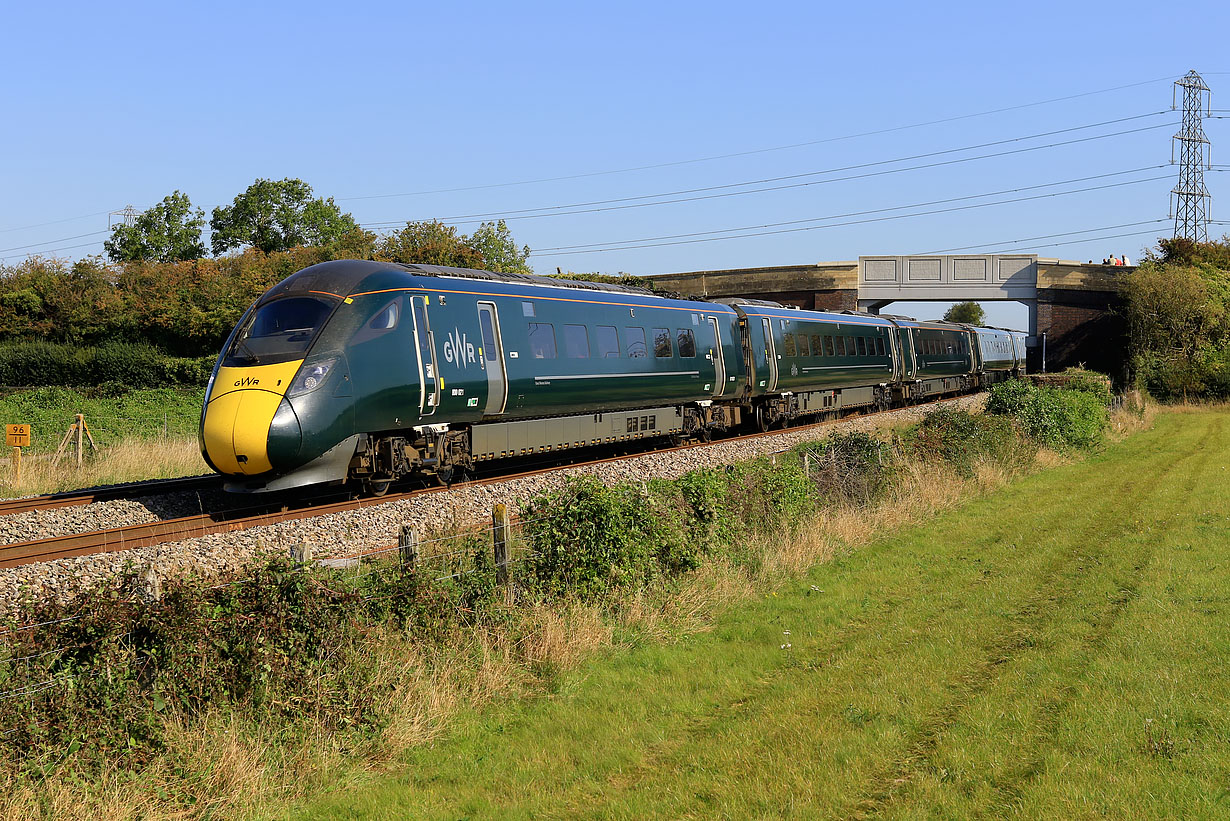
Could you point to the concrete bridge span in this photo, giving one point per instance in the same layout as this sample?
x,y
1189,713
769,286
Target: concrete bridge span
x,y
1072,305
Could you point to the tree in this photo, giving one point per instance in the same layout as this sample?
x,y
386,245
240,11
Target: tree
x,y
499,251
168,232
278,216
967,313
428,243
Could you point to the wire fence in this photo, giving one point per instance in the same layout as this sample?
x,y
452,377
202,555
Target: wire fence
x,y
439,559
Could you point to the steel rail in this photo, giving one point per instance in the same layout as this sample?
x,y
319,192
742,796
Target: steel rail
x,y
78,498
229,521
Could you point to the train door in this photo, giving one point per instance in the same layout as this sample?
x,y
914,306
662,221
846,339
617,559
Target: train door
x,y
719,360
425,349
770,353
493,358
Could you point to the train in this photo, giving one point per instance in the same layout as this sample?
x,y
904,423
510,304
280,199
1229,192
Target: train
x,y
363,372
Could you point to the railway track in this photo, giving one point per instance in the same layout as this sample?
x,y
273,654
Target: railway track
x,y
231,520
74,498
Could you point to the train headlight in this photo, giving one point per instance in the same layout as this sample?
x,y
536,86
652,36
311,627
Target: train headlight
x,y
310,377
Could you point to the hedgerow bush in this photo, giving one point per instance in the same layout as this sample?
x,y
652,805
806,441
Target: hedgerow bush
x,y
43,364
961,438
1059,418
588,538
851,468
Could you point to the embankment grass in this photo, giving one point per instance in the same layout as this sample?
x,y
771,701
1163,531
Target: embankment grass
x,y
489,679
140,434
1053,649
128,460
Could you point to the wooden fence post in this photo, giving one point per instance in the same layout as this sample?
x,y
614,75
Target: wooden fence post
x,y
408,541
80,438
807,464
499,537
301,553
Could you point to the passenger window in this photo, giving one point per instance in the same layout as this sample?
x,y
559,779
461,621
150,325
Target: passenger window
x,y
488,332
687,343
661,343
576,342
880,345
841,346
608,342
542,339
817,347
862,346
381,323
788,345
803,351
634,338
828,346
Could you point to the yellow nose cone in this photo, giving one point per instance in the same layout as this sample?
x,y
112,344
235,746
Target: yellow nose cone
x,y
238,414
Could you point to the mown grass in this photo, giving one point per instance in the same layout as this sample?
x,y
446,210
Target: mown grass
x,y
1054,649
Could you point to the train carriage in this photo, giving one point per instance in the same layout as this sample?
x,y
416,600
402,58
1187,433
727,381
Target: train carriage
x,y
363,368
365,371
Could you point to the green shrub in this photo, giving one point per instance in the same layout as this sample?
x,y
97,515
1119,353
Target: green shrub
x,y
1062,419
960,438
587,538
853,468
1093,383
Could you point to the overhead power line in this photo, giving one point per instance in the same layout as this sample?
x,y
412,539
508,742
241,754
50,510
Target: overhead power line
x,y
54,250
850,222
54,222
52,241
857,135
861,213
625,203
1003,243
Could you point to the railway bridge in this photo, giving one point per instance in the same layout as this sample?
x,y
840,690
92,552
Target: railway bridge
x,y
1071,304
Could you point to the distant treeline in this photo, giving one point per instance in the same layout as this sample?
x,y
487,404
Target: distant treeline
x,y
187,308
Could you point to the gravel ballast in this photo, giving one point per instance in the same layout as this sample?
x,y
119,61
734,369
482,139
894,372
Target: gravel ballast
x,y
355,531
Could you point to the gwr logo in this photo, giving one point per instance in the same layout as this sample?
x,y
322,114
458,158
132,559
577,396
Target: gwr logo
x,y
457,350
247,380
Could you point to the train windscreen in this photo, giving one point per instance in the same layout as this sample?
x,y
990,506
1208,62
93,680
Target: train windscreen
x,y
279,331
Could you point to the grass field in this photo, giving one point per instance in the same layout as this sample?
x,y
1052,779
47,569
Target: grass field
x,y
141,434
1057,648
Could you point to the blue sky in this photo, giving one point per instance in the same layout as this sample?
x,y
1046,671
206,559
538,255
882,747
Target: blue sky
x,y
443,104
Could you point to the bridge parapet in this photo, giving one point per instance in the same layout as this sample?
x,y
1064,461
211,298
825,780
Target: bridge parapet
x,y
947,278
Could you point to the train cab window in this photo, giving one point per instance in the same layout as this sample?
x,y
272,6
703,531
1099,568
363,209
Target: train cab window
x,y
527,308
803,349
576,342
381,323
608,341
687,343
862,345
788,347
817,346
279,331
880,345
542,340
661,343
634,340
828,346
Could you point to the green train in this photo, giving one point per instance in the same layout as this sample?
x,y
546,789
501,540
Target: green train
x,y
366,372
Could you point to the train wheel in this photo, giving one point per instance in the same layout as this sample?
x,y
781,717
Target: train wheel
x,y
764,420
377,487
